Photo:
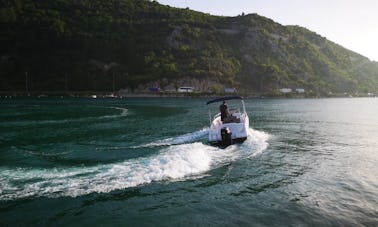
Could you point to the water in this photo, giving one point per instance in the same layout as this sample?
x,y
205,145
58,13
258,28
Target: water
x,y
146,162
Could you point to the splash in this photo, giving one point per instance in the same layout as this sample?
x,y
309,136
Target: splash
x,y
186,138
172,163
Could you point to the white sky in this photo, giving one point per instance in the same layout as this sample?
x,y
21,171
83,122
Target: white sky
x,y
350,23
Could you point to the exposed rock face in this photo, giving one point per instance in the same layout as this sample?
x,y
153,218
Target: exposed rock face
x,y
172,39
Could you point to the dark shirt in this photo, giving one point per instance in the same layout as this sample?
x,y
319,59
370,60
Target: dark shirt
x,y
224,111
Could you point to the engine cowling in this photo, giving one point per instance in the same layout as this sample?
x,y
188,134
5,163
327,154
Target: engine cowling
x,y
226,136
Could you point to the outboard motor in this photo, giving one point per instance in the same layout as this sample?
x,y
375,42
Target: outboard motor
x,y
226,137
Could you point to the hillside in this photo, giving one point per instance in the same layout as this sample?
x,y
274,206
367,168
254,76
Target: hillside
x,y
94,45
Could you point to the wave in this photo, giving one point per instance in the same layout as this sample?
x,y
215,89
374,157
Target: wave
x,y
123,112
172,163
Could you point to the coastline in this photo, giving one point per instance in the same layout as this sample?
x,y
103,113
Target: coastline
x,y
106,94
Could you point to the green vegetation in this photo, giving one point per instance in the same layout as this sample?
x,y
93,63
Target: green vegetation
x,y
58,45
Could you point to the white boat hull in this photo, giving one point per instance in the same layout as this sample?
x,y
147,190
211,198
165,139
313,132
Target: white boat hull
x,y
232,127
239,131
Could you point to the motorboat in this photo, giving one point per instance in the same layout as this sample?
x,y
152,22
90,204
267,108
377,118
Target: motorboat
x,y
232,128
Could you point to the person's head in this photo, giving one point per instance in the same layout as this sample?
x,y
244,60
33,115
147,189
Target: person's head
x,y
224,102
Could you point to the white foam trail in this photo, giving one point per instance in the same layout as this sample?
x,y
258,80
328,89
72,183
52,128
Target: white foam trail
x,y
256,140
186,138
173,163
123,113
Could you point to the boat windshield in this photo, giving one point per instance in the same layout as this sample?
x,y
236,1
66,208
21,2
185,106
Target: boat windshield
x,y
234,105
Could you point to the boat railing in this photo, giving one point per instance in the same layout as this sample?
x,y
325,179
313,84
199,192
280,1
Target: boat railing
x,y
233,111
234,117
216,115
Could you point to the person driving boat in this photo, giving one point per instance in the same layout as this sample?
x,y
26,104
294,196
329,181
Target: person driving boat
x,y
224,110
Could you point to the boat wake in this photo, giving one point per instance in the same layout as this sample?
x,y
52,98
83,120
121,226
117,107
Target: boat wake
x,y
120,112
186,138
182,158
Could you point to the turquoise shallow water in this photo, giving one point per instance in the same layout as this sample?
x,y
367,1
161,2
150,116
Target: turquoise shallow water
x,y
146,162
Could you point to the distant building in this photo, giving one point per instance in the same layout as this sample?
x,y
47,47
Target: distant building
x,y
153,89
185,89
300,90
230,90
286,90
123,92
170,89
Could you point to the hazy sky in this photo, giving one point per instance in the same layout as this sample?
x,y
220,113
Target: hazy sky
x,y
350,23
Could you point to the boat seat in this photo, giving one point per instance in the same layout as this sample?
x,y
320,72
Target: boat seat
x,y
231,119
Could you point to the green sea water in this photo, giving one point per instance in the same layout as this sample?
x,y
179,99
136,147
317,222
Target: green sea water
x,y
146,162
